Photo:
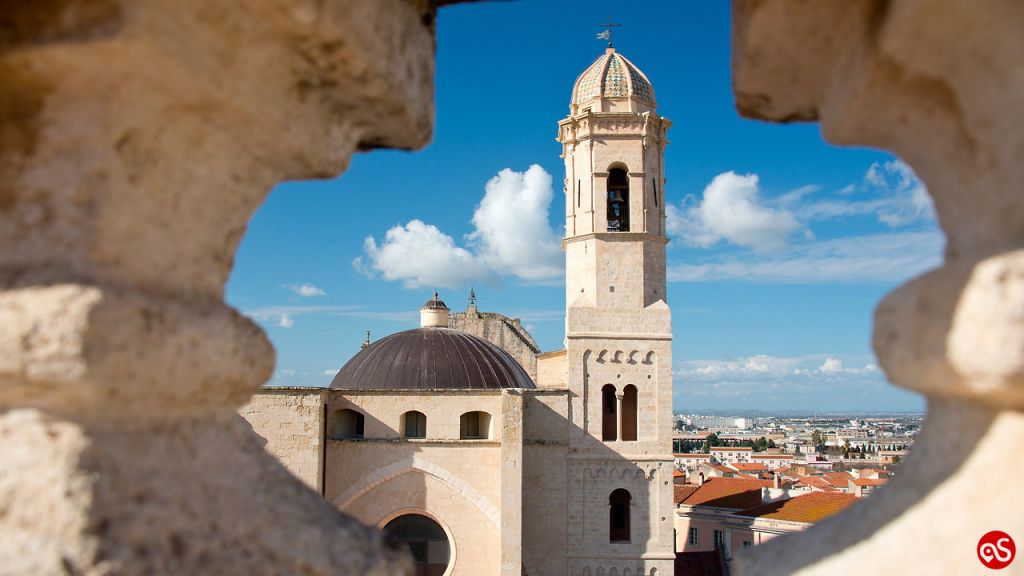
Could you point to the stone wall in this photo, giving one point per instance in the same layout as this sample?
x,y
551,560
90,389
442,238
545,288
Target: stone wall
x,y
552,369
472,488
502,331
138,138
291,422
939,83
545,478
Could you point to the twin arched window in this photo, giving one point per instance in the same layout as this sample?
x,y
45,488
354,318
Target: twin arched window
x,y
618,515
629,409
609,414
614,426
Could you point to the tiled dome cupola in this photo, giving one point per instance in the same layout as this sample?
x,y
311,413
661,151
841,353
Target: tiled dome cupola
x,y
612,76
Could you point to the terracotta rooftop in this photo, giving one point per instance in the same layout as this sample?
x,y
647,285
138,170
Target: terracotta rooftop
x,y
737,493
816,482
681,491
722,469
745,467
837,478
810,508
868,481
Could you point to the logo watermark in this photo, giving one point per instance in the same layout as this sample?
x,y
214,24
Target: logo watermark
x,y
996,550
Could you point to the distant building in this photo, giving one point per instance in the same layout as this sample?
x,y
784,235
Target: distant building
x,y
729,454
731,514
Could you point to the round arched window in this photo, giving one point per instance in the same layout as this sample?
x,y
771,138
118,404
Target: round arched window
x,y
426,540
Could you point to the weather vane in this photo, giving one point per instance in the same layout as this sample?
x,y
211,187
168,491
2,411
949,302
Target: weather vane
x,y
607,33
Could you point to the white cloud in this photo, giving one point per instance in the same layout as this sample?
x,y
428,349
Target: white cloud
x,y
512,231
511,236
909,200
814,381
284,316
889,258
419,254
890,191
732,209
306,290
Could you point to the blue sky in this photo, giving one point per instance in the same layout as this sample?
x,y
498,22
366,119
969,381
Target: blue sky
x,y
781,245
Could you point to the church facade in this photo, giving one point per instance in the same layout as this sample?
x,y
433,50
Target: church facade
x,y
482,455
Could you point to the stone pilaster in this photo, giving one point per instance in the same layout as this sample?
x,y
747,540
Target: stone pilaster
x,y
939,83
136,140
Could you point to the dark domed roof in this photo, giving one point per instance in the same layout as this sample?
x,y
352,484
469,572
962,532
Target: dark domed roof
x,y
431,359
435,303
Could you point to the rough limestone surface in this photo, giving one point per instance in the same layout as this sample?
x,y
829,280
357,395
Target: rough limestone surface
x,y
136,140
940,83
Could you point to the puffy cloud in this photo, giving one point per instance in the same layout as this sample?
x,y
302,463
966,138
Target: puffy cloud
x,y
284,316
765,382
908,198
831,366
732,209
888,258
890,191
419,254
511,236
306,290
512,233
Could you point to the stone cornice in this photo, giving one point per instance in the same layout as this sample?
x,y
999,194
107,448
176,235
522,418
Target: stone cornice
x,y
616,237
617,336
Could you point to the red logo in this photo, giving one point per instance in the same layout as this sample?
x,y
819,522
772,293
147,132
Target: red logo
x,y
996,550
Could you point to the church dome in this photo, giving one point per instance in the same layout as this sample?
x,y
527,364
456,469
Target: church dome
x,y
612,75
431,358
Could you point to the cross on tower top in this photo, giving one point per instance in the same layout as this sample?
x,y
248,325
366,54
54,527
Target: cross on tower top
x,y
607,34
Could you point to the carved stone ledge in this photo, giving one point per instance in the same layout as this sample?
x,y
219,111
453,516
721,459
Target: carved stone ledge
x,y
939,83
137,138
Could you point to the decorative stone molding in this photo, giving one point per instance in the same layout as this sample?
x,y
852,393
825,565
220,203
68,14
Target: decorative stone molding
x,y
415,464
136,140
939,83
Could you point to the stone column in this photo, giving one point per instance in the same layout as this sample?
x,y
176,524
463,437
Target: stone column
x,y
618,416
940,83
136,140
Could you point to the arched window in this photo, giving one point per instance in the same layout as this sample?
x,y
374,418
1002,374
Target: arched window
x,y
414,424
618,515
618,200
475,426
345,424
629,412
608,424
426,540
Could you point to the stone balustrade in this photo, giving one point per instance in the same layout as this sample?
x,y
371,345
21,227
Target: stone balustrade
x,y
940,83
136,140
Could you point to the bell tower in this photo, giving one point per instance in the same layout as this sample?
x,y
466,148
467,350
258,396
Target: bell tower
x,y
618,325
